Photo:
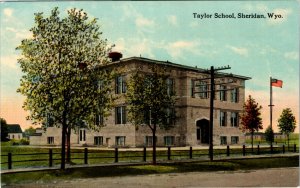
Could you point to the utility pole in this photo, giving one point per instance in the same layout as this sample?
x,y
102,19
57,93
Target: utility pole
x,y
212,78
211,112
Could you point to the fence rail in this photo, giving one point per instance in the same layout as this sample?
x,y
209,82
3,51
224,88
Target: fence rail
x,y
99,156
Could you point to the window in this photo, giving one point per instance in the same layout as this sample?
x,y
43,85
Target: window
x,y
234,140
98,140
203,90
82,135
170,86
223,140
234,95
120,140
99,119
120,113
170,112
222,93
120,84
169,140
223,118
50,140
149,140
13,136
234,119
192,88
242,83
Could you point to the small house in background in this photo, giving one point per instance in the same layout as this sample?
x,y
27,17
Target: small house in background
x,y
14,132
259,136
279,136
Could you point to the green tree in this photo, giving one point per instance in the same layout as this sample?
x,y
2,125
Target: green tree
x,y
29,131
269,134
251,117
4,130
64,80
151,101
287,123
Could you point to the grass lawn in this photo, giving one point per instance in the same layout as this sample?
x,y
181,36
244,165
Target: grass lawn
x,y
27,156
111,171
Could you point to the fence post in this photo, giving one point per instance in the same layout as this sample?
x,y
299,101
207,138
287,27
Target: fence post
x,y
228,151
295,149
244,150
169,153
145,154
85,156
283,148
258,151
9,161
50,157
191,152
116,155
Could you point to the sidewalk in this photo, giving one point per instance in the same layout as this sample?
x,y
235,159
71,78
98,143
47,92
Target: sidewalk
x,y
216,158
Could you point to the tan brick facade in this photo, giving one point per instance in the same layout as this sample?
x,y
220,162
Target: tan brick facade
x,y
192,112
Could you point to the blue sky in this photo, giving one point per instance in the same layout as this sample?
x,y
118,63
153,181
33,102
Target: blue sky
x,y
258,48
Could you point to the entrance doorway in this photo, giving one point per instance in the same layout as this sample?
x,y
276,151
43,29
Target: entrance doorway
x,y
202,131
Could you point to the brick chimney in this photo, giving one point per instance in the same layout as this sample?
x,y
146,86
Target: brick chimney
x,y
115,56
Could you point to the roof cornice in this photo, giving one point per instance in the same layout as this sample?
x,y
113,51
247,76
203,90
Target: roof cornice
x,y
168,63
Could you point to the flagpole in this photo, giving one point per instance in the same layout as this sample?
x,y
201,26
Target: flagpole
x,y
271,104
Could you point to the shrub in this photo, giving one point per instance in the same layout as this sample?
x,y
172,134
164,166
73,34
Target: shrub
x,y
24,142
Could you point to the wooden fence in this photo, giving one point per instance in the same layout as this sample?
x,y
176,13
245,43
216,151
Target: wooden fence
x,y
100,156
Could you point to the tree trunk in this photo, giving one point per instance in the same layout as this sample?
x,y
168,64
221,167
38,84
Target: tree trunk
x,y
69,145
252,133
154,145
288,137
63,141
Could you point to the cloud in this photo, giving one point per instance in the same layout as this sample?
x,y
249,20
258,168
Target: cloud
x,y
8,12
266,50
172,20
262,8
9,62
177,48
120,45
19,34
140,21
239,50
136,46
292,55
182,44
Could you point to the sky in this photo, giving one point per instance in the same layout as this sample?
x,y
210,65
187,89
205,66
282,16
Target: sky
x,y
257,48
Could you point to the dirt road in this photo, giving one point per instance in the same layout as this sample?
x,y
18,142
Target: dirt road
x,y
276,177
